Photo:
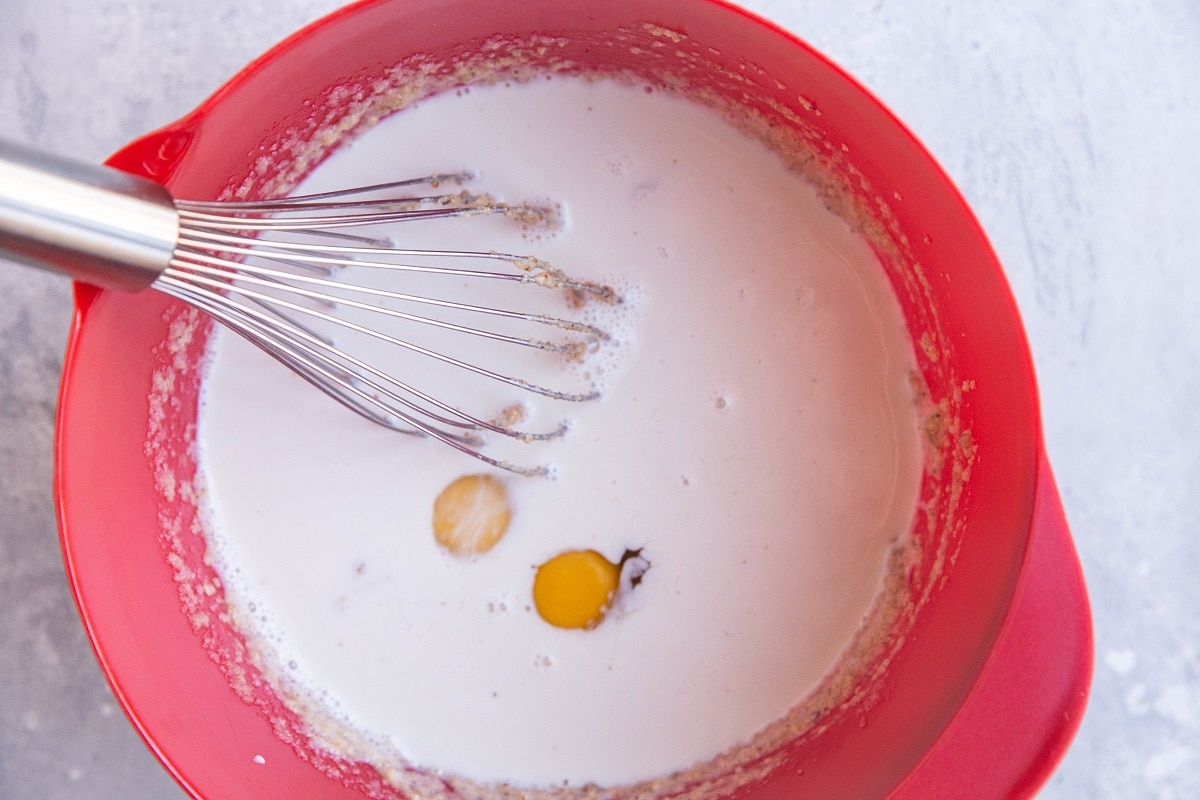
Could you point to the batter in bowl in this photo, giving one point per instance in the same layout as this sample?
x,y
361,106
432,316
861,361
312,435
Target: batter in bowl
x,y
756,446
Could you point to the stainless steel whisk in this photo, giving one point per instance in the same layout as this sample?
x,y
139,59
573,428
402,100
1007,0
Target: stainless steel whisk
x,y
267,269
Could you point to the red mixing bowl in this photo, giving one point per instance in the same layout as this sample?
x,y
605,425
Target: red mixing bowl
x,y
988,678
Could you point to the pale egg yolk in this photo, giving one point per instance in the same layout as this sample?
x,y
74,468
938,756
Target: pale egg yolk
x,y
471,514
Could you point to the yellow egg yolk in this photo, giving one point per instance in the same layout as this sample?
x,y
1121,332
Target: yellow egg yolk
x,y
575,589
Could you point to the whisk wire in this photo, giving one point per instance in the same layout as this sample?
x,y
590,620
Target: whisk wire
x,y
219,280
325,374
323,266
528,269
280,203
341,375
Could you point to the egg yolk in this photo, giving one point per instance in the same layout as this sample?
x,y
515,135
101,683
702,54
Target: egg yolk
x,y
575,589
471,514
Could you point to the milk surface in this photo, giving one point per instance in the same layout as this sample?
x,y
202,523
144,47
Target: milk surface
x,y
756,439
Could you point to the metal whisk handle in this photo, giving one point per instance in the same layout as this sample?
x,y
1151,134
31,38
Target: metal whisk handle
x,y
95,224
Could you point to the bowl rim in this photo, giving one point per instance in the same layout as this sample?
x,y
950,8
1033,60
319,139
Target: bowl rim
x,y
159,155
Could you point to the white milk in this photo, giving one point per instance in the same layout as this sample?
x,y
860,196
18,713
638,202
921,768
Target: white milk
x,y
757,438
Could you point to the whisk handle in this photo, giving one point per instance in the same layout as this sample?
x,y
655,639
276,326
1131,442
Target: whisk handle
x,y
95,224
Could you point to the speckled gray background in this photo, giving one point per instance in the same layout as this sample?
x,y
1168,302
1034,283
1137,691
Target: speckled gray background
x,y
1071,127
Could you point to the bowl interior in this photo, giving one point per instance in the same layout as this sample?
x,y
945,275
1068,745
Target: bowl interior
x,y
134,554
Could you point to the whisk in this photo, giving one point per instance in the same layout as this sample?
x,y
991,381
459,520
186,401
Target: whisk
x,y
270,271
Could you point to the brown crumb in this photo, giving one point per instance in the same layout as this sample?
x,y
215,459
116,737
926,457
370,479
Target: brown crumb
x,y
928,347
575,350
540,217
576,299
508,417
